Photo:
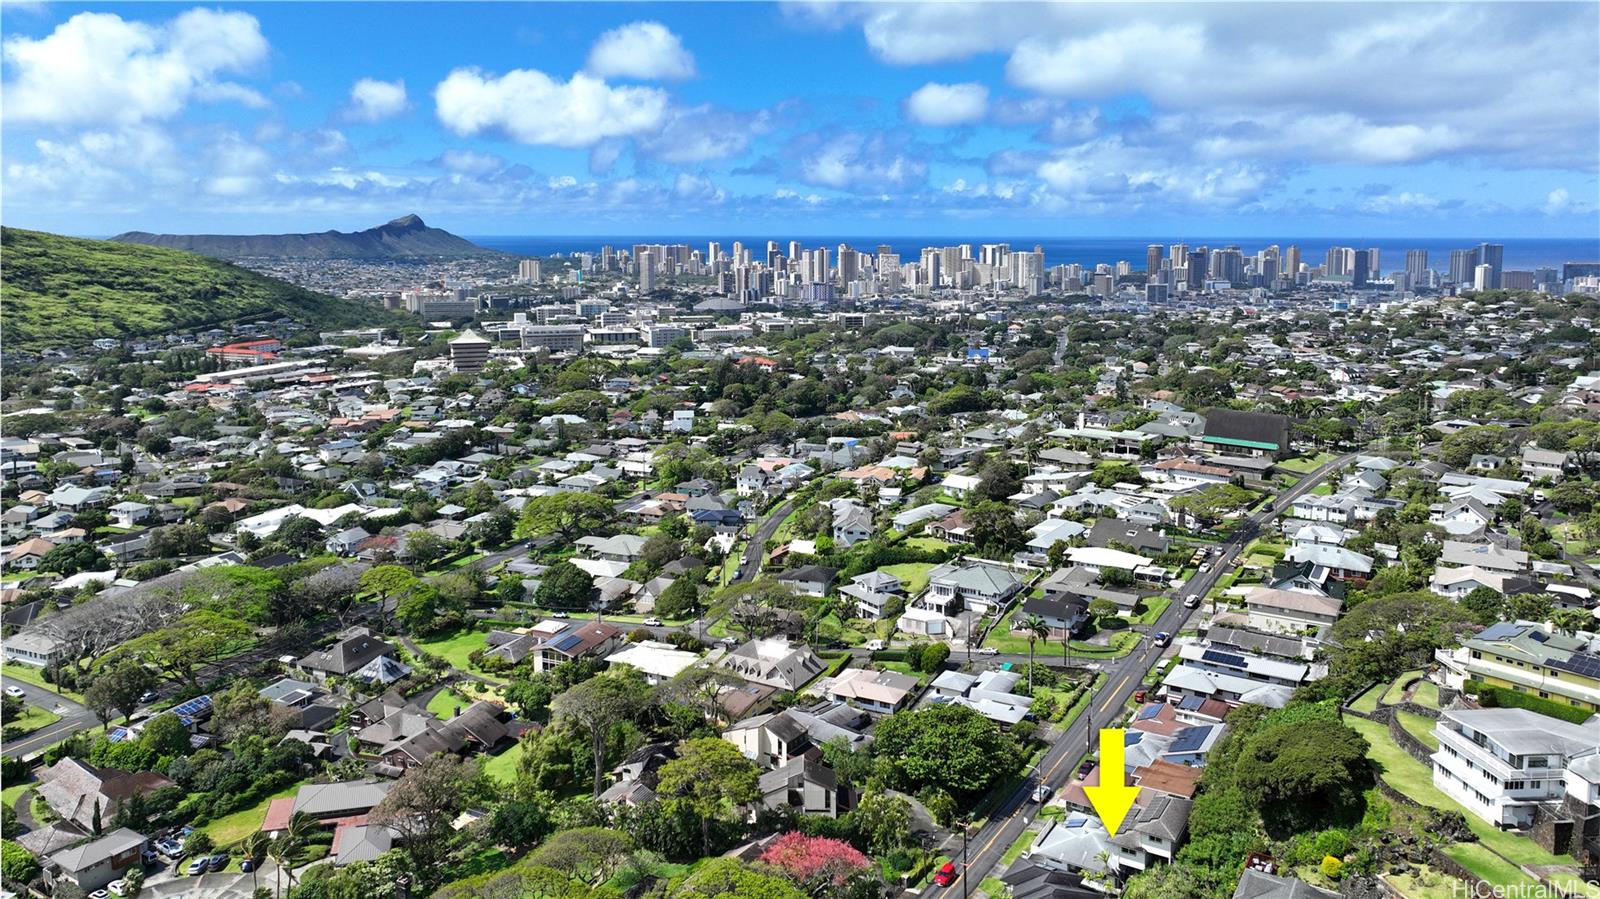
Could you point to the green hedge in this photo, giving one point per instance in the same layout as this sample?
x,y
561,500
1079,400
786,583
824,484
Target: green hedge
x,y
1499,697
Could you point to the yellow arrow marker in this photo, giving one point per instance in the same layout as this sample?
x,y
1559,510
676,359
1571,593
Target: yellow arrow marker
x,y
1113,797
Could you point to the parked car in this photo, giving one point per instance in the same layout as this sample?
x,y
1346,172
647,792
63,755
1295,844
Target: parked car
x,y
1140,696
118,887
99,894
988,651
874,645
652,622
560,615
945,875
1191,601
148,856
14,692
1042,793
147,696
217,862
1163,638
1085,768
247,865
169,847
198,866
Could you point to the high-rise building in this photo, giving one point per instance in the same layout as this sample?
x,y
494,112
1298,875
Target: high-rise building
x,y
931,274
1494,256
1197,269
1179,254
1463,267
1291,262
646,263
1417,268
469,352
528,271
1153,255
1374,262
1334,263
1360,270
1483,277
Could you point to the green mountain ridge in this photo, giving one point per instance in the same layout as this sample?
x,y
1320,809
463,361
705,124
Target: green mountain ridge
x,y
57,290
407,237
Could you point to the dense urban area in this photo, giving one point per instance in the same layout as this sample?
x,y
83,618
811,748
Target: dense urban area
x,y
781,571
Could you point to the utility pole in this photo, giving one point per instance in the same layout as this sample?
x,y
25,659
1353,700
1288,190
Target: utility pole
x,y
966,866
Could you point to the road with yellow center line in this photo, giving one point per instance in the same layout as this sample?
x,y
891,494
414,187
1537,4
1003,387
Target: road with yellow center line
x,y
1123,677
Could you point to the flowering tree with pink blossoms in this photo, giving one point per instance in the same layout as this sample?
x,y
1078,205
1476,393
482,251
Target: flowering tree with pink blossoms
x,y
810,859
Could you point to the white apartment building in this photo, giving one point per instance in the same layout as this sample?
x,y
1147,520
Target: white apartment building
x,y
1502,763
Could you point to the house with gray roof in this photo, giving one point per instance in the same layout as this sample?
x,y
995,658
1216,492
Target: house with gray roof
x,y
90,866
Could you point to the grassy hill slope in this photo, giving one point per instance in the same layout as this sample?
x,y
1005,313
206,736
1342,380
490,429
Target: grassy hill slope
x,y
65,290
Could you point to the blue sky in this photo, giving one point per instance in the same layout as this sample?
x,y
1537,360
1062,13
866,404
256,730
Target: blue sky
x,y
1477,120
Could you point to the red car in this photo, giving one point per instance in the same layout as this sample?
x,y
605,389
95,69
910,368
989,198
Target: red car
x,y
946,875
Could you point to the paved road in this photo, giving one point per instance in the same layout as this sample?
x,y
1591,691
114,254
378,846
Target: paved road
x,y
1123,678
74,717
750,565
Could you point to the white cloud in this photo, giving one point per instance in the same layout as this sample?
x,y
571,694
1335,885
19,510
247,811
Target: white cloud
x,y
702,134
856,160
1398,81
697,188
470,162
1404,201
643,50
533,108
948,104
1557,201
372,100
99,69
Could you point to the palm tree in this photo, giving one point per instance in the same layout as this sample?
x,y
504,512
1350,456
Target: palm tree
x,y
254,847
1036,629
286,848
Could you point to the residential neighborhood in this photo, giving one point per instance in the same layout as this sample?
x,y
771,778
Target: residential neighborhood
x,y
364,624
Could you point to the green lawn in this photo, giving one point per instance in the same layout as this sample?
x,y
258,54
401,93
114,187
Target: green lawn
x,y
1397,689
503,767
1415,780
32,674
8,796
230,829
1490,867
455,648
1426,694
1368,701
930,543
1419,727
31,719
913,574
1001,637
1306,465
1153,607
444,703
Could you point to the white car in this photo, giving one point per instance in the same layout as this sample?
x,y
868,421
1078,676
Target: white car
x,y
652,622
988,651
118,887
874,645
15,692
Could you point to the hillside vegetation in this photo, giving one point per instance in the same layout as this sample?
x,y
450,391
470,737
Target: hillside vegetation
x,y
65,290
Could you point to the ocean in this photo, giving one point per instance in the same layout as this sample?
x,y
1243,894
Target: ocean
x,y
1520,254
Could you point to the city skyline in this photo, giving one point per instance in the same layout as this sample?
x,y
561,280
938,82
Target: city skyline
x,y
881,120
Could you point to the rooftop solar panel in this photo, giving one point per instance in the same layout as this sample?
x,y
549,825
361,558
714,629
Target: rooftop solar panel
x,y
1190,703
1148,712
1190,739
193,708
1077,822
567,642
1224,658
